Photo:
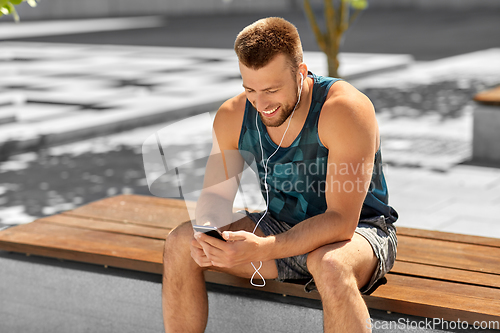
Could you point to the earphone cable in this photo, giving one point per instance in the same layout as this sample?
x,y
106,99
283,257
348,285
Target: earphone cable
x,y
265,165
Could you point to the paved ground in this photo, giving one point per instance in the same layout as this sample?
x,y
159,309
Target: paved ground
x,y
59,92
425,34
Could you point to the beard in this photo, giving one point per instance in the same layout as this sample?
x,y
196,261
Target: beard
x,y
284,113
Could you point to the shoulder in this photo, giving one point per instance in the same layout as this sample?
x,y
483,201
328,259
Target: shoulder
x,y
228,120
345,102
347,115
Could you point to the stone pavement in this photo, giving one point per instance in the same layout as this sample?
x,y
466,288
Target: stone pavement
x,y
55,93
425,34
433,139
58,93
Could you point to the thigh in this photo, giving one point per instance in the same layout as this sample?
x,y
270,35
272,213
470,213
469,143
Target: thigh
x,y
355,256
268,269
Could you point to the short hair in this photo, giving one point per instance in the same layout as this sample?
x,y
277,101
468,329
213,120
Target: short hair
x,y
257,44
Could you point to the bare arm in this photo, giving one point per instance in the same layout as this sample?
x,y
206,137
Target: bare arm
x,y
224,166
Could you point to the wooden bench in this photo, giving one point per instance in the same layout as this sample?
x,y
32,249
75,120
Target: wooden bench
x,y
436,275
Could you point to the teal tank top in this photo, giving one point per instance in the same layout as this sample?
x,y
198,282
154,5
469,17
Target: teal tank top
x,y
296,174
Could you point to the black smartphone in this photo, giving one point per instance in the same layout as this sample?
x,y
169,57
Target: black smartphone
x,y
209,230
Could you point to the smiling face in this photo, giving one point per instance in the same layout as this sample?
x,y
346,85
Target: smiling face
x,y
272,90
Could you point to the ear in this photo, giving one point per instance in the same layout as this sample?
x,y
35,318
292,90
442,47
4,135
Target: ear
x,y
302,70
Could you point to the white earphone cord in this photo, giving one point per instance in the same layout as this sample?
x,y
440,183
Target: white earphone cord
x,y
257,270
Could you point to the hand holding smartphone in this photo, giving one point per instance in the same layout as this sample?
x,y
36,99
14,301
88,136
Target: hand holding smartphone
x,y
209,230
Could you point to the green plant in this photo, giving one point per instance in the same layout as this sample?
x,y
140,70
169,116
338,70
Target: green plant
x,y
338,15
7,7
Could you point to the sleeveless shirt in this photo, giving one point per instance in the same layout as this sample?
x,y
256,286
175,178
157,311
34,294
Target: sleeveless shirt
x,y
296,174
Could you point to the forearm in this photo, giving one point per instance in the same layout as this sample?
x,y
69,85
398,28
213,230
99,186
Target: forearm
x,y
317,231
213,209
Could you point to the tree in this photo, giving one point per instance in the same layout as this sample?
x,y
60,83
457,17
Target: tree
x,y
7,7
338,15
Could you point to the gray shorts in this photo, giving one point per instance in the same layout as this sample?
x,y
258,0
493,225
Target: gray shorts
x,y
380,235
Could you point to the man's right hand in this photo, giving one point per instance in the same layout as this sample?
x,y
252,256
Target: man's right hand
x,y
198,254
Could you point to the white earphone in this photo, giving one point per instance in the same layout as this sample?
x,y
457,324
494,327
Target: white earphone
x,y
301,82
265,164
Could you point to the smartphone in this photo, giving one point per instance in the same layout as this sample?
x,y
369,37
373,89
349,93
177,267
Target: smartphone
x,y
209,230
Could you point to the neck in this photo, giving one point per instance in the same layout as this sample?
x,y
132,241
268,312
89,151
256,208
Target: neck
x,y
302,108
305,100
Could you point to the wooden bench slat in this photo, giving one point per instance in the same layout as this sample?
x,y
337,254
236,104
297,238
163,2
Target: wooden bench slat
x,y
446,273
444,289
141,200
491,96
108,226
436,299
64,242
403,294
446,236
124,208
449,254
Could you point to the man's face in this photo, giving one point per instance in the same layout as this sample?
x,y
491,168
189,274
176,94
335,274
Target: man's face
x,y
272,90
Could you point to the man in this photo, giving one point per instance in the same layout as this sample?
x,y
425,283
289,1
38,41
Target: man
x,y
316,143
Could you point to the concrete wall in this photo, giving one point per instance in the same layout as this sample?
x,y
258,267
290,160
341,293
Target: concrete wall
x,y
60,9
43,295
486,136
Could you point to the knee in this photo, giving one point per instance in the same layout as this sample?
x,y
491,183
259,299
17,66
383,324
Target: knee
x,y
177,243
332,274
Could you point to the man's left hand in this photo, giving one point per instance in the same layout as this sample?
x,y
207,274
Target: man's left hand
x,y
241,247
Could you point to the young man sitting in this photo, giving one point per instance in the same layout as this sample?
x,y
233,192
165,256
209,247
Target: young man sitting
x,y
316,144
